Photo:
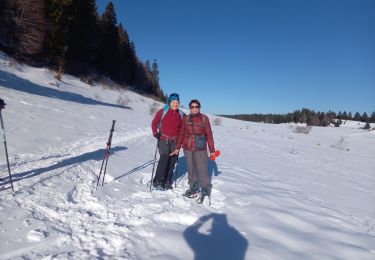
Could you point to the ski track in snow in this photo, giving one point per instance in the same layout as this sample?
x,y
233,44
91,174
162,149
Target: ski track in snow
x,y
73,214
87,223
290,196
97,226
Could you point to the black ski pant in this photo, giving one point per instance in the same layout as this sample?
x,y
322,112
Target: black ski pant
x,y
164,171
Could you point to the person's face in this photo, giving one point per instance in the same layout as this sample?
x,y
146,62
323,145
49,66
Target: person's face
x,y
174,105
194,108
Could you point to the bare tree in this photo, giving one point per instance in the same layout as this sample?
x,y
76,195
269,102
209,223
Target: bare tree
x,y
217,121
302,129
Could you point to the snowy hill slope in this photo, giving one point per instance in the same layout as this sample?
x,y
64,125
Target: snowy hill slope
x,y
277,194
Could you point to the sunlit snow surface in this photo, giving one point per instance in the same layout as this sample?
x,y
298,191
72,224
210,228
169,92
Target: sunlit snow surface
x,y
277,194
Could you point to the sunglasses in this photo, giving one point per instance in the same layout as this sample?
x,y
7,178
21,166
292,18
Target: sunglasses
x,y
194,107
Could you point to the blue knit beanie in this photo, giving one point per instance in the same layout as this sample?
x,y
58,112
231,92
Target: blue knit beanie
x,y
173,96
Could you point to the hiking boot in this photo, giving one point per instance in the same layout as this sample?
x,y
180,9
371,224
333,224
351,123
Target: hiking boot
x,y
192,192
206,192
158,186
168,186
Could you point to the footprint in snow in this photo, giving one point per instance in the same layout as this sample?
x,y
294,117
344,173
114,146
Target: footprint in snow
x,y
35,236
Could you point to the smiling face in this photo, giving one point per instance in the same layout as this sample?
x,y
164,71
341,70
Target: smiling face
x,y
174,105
194,108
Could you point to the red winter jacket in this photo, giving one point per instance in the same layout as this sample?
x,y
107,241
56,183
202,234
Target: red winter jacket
x,y
186,136
170,126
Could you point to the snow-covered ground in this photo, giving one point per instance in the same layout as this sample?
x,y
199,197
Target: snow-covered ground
x,y
353,124
277,194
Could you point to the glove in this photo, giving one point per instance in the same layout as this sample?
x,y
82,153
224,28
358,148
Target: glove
x,y
214,155
175,152
157,135
2,104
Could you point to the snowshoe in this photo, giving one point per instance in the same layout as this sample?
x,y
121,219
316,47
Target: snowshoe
x,y
168,186
158,186
206,192
192,192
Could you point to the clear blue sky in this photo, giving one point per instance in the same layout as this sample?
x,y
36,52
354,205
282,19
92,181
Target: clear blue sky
x,y
244,56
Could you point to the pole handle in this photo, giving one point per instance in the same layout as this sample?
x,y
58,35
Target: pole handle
x,y
111,133
113,125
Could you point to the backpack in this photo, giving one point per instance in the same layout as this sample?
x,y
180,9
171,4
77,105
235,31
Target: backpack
x,y
165,110
200,140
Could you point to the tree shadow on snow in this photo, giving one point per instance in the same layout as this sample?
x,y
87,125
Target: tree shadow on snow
x,y
221,241
11,81
95,155
181,168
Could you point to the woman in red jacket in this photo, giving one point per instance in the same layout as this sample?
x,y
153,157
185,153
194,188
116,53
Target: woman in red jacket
x,y
166,127
194,137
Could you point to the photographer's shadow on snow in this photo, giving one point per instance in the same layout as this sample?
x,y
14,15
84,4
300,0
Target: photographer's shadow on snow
x,y
94,155
11,81
220,241
181,169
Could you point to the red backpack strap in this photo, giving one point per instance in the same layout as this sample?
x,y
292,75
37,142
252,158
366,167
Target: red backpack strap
x,y
204,120
187,121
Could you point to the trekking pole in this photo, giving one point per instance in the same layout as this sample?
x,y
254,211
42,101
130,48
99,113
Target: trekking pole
x,y
153,167
176,174
106,155
2,104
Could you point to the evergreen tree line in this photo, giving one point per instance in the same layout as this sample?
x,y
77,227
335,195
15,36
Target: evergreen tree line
x,y
307,116
70,36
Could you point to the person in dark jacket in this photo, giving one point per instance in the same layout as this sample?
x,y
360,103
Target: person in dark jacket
x,y
194,137
166,127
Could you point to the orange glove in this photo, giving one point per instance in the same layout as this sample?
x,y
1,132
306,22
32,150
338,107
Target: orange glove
x,y
214,155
